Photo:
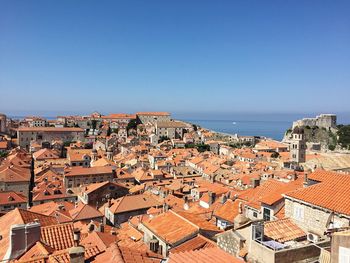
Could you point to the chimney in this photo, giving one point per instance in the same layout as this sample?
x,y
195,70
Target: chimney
x,y
211,197
22,238
306,180
186,206
223,199
165,207
255,182
76,236
77,254
114,172
101,228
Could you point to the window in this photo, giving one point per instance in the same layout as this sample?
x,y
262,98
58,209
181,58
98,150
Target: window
x,y
255,214
344,255
267,214
298,212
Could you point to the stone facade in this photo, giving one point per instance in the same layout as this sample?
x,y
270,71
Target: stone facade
x,y
311,218
298,146
2,122
149,117
18,187
340,247
230,241
48,134
323,121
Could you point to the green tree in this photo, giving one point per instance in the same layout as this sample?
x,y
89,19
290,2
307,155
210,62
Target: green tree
x,y
344,135
275,155
331,147
163,138
203,147
132,124
93,124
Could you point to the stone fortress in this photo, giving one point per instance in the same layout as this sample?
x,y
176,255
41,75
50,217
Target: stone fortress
x,y
327,121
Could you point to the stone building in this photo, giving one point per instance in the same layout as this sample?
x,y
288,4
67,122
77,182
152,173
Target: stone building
x,y
152,117
48,134
170,129
298,146
323,121
322,206
340,248
118,211
77,176
96,194
2,123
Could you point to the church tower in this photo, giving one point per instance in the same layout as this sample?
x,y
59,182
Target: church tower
x,y
298,146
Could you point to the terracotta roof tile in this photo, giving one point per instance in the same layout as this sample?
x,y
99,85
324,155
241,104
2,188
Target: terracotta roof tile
x,y
11,197
228,211
133,202
195,243
19,216
206,255
171,227
331,194
58,236
283,230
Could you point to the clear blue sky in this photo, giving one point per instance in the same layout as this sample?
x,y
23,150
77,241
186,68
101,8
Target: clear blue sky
x,y
181,56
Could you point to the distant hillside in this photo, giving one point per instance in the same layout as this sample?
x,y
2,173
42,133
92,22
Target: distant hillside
x,y
338,138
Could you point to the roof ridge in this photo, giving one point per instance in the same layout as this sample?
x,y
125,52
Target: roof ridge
x,y
185,219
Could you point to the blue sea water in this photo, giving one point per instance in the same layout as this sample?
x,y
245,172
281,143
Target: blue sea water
x,y
271,129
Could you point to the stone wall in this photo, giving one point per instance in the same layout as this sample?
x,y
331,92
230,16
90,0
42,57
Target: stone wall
x,y
324,120
261,254
230,241
339,240
313,219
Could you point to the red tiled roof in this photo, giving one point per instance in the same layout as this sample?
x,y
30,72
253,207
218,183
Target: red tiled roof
x,y
76,171
62,256
19,216
269,192
121,254
45,154
10,197
154,113
49,129
38,250
323,175
171,227
206,255
331,194
133,202
228,211
195,243
283,230
58,236
84,212
13,173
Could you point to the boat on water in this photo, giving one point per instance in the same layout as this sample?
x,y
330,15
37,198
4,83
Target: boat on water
x,y
234,123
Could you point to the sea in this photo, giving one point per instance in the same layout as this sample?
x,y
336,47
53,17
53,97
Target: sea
x,y
270,129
